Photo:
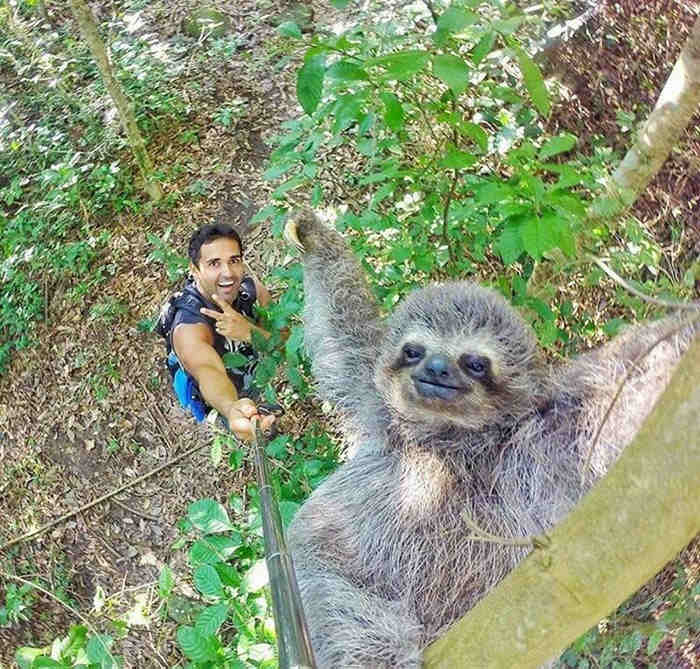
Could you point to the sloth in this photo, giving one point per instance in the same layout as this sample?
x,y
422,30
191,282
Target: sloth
x,y
466,441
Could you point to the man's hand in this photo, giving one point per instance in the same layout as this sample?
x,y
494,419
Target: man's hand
x,y
229,322
240,419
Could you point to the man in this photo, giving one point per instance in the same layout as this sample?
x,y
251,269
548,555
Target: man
x,y
207,320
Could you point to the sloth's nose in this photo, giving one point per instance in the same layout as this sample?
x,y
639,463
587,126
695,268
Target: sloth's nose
x,y
438,366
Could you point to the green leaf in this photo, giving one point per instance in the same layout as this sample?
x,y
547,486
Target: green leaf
x,y
401,252
456,159
287,511
452,70
534,82
453,20
346,70
340,4
393,111
289,29
483,48
402,64
510,244
98,651
26,655
166,582
196,646
508,26
213,549
228,574
347,110
538,236
477,133
277,448
288,185
207,581
557,145
208,516
655,638
216,452
211,618
46,663
310,83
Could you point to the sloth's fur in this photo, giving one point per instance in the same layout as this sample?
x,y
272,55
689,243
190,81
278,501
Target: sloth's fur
x,y
385,558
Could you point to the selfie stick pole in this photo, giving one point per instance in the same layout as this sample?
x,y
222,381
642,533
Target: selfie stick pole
x,y
293,641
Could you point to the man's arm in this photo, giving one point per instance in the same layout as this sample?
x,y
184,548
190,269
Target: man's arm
x,y
194,347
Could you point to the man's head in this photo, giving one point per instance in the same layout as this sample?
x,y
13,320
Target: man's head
x,y
216,261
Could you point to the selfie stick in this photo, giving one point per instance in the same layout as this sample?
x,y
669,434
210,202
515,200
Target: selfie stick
x,y
293,641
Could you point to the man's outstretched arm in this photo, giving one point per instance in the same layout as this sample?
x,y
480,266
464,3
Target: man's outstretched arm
x,y
193,344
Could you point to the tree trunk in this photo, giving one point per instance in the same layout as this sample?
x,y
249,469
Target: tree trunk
x,y
623,532
678,102
88,28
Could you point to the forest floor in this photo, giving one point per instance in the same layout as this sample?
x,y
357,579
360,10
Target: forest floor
x,y
90,408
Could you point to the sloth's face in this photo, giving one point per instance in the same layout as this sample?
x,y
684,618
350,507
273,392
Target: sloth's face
x,y
438,380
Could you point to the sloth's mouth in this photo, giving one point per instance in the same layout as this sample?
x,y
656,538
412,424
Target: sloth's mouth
x,y
433,390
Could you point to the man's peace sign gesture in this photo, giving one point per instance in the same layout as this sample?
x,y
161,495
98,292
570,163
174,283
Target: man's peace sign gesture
x,y
229,322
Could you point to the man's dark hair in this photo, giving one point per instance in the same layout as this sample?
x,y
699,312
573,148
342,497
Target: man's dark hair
x,y
208,233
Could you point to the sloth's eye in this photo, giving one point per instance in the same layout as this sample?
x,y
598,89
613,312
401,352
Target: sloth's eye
x,y
412,354
474,365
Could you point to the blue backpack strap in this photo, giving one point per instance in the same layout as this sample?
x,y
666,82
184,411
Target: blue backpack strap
x,y
186,390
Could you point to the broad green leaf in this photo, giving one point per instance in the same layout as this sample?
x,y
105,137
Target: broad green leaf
x,y
208,516
26,655
401,252
346,70
557,145
287,511
211,618
508,26
213,549
402,64
234,360
196,646
534,82
287,186
491,192
98,651
166,582
277,448
393,111
340,4
483,48
47,663
456,159
452,70
477,133
207,581
295,341
453,20
347,110
564,236
228,574
538,236
310,83
510,244
289,29
655,638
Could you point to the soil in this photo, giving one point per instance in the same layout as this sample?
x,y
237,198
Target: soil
x,y
90,408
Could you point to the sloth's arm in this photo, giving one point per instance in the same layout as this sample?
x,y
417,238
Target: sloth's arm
x,y
633,369
342,328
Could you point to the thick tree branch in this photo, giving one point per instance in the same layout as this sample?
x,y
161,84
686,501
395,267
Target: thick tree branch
x,y
625,530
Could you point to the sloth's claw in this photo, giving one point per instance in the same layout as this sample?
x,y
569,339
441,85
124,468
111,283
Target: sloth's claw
x,y
291,234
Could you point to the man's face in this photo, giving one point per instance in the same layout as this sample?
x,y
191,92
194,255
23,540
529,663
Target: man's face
x,y
220,269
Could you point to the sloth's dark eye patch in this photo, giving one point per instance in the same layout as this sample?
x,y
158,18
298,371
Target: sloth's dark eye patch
x,y
412,354
477,366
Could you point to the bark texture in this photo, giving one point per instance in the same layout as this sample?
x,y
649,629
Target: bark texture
x,y
88,28
624,531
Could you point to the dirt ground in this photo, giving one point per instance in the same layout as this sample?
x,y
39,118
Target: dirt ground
x,y
90,406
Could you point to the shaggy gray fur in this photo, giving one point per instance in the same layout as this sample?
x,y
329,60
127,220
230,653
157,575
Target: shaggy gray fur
x,y
384,558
